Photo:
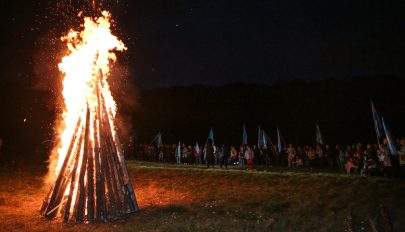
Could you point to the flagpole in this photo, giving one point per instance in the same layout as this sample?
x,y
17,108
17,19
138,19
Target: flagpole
x,y
153,140
272,146
374,111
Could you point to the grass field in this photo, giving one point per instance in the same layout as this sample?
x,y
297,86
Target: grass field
x,y
188,198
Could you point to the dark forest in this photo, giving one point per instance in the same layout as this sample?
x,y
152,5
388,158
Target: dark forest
x,y
186,113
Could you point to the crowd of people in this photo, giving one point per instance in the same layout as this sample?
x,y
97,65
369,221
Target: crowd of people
x,y
361,159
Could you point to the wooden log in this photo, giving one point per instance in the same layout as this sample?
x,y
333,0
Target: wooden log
x,y
101,207
90,184
100,190
109,198
54,199
73,177
79,209
108,177
119,182
114,180
127,180
124,172
111,201
113,166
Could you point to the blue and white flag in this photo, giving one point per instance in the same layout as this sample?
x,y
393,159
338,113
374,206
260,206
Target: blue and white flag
x,y
279,141
319,138
377,121
211,136
390,138
244,135
264,138
179,153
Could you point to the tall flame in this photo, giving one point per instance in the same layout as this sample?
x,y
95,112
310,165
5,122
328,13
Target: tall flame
x,y
86,68
92,182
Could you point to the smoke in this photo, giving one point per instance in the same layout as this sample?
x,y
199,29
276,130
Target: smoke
x,y
126,96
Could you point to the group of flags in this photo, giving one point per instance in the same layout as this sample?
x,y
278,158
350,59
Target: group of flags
x,y
263,139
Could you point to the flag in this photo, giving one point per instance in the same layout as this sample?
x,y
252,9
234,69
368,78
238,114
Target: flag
x,y
211,136
279,141
179,153
264,138
319,138
259,138
244,135
377,121
157,140
390,138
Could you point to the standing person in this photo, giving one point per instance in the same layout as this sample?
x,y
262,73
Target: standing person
x,y
242,156
319,157
197,151
256,154
401,152
299,158
330,156
209,152
161,153
311,157
291,155
192,155
249,155
384,157
266,156
340,157
225,156
234,155
185,155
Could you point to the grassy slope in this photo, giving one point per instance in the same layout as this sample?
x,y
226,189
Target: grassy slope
x,y
183,198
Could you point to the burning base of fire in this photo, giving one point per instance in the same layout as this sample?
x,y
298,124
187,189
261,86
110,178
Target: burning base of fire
x,y
92,182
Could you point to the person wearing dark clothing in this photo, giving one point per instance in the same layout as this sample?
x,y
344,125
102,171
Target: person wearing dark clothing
x,y
225,156
330,156
209,151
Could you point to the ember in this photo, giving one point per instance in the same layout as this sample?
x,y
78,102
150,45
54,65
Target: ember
x,y
92,182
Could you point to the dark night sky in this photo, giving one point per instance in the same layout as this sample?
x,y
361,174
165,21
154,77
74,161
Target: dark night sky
x,y
188,42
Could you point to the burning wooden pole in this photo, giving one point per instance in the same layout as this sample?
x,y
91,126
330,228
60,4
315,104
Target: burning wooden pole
x,y
92,182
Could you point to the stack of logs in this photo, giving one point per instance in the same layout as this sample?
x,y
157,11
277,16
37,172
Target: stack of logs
x,y
92,184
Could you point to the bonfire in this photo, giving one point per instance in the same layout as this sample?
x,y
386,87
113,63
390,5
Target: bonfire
x,y
91,179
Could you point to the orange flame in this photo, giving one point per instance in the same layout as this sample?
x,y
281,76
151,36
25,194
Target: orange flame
x,y
85,68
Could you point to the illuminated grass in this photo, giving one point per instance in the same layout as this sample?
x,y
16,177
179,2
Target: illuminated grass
x,y
188,198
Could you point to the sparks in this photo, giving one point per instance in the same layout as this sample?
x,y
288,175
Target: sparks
x,y
92,183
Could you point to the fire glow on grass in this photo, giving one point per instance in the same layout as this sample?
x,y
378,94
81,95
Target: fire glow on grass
x,y
92,182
